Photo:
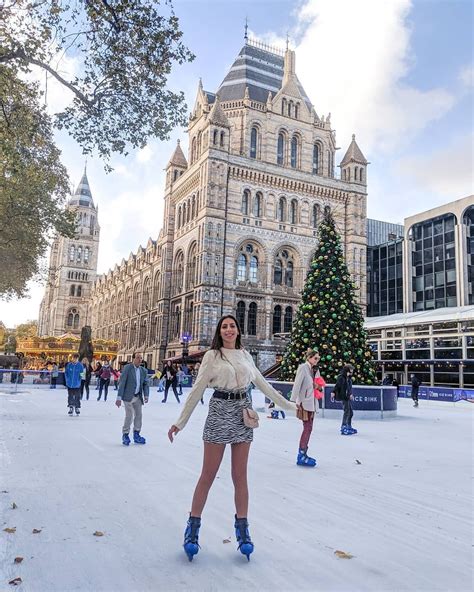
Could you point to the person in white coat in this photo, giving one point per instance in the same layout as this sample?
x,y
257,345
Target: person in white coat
x,y
303,395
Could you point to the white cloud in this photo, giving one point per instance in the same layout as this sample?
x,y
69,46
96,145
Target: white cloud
x,y
352,58
446,173
466,76
145,154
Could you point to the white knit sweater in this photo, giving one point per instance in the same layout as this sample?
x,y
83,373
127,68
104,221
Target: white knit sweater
x,y
235,370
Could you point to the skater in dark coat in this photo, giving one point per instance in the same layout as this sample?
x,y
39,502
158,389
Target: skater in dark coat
x,y
343,392
171,380
72,376
415,387
229,370
86,378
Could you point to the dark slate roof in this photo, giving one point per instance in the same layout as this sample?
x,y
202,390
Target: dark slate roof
x,y
178,158
259,70
82,196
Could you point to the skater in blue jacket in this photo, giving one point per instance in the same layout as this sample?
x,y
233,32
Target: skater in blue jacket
x,y
73,377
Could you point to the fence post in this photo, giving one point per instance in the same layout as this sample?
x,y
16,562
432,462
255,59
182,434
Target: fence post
x,y
381,402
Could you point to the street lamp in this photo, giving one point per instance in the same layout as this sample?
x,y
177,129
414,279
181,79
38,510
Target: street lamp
x,y
185,339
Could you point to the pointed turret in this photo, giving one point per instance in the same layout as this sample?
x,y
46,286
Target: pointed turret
x,y
83,195
217,115
354,164
176,166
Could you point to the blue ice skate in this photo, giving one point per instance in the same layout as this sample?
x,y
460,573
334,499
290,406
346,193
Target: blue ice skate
x,y
282,414
191,537
352,430
303,460
126,440
138,439
243,537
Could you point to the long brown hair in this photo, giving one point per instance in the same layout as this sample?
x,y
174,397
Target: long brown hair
x,y
217,342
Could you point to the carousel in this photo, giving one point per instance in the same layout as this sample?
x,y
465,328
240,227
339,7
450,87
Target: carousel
x,y
37,352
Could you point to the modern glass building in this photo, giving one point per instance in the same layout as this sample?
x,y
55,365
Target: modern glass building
x,y
385,278
437,346
468,224
379,232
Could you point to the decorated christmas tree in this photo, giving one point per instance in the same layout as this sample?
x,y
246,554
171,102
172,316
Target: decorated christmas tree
x,y
329,318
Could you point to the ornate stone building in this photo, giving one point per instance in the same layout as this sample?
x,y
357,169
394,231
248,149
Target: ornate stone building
x,y
240,219
72,270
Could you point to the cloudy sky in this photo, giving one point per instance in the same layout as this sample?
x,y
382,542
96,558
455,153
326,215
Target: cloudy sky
x,y
397,73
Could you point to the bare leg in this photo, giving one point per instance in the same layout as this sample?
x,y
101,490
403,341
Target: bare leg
x,y
213,454
240,455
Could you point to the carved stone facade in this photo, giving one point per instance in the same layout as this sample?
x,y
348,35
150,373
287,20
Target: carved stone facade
x,y
72,271
240,219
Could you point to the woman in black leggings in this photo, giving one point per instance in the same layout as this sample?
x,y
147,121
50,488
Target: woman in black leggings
x,y
171,380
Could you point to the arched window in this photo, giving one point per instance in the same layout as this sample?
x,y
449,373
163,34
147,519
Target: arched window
x,y
278,272
294,152
282,209
184,214
253,269
316,158
276,325
214,137
192,267
252,319
281,149
294,212
79,291
361,174
146,294
257,205
222,138
193,207
179,217
72,252
193,150
246,202
156,288
178,273
327,211
72,319
87,254
288,321
356,173
253,142
136,298
315,217
289,274
283,107
72,290
290,108
127,302
297,108
188,215
242,268
241,315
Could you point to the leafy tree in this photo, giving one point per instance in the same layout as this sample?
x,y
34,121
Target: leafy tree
x,y
328,318
123,51
33,184
28,329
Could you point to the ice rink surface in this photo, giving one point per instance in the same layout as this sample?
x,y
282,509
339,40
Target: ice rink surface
x,y
404,513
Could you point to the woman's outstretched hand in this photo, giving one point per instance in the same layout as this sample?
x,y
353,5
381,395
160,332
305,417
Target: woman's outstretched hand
x,y
172,432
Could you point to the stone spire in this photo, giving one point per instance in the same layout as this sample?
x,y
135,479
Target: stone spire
x,y
353,154
178,158
217,115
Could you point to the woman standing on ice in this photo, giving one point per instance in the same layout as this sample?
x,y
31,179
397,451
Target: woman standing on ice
x,y
229,369
303,395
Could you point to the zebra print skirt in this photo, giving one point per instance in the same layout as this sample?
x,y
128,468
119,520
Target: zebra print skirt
x,y
225,422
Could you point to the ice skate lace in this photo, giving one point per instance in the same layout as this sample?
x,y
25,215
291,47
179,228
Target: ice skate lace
x,y
243,535
193,535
